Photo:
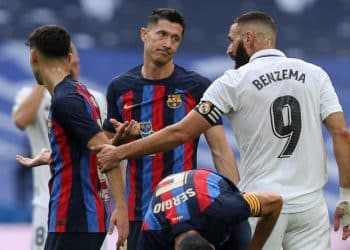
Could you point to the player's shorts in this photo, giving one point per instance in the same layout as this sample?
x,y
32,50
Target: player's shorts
x,y
74,241
134,234
309,229
39,227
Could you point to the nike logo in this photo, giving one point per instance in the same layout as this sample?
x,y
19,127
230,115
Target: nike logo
x,y
127,106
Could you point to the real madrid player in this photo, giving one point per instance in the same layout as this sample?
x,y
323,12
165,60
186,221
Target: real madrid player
x,y
277,106
79,209
156,94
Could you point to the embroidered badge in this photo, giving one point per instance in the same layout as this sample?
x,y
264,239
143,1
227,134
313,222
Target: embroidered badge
x,y
174,101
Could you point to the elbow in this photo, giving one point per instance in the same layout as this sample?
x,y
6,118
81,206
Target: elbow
x,y
20,123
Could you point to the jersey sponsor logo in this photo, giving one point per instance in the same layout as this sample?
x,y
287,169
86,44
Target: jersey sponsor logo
x,y
174,201
146,128
174,101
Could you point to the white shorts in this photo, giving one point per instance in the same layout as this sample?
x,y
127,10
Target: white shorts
x,y
305,230
39,227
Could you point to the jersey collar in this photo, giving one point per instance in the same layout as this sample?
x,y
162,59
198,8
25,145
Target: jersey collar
x,y
267,53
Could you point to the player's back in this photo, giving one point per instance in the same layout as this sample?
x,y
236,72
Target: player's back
x,y
279,107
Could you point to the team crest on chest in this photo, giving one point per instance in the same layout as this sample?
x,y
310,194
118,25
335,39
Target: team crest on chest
x,y
174,101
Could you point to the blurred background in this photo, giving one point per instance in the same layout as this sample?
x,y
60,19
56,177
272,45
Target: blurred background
x,y
106,33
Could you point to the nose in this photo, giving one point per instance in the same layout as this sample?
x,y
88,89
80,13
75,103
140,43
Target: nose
x,y
167,42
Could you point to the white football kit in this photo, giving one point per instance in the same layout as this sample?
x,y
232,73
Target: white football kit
x,y
37,133
276,106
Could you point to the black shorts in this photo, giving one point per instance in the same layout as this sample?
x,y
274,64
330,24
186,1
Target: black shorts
x,y
74,241
134,234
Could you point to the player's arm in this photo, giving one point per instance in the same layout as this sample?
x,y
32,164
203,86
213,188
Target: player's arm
x,y
339,132
266,205
115,178
190,127
26,111
223,157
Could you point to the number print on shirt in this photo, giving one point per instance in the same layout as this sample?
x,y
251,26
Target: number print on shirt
x,y
286,122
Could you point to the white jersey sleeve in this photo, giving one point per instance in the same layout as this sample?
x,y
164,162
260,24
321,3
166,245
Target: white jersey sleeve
x,y
328,98
222,92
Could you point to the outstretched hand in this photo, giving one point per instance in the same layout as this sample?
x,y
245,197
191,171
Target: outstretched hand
x,y
119,218
43,158
342,214
107,157
124,132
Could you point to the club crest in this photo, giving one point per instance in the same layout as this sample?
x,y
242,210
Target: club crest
x,y
174,101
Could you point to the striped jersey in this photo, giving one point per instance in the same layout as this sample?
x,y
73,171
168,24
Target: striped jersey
x,y
193,200
155,104
277,106
79,200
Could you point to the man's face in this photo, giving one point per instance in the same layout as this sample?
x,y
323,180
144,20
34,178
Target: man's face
x,y
75,65
236,49
161,41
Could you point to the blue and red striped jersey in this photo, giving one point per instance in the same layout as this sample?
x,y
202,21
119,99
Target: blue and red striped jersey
x,y
155,104
199,200
78,202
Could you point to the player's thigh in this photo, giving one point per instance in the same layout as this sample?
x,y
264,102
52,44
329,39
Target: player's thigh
x,y
134,234
39,227
309,229
274,242
74,241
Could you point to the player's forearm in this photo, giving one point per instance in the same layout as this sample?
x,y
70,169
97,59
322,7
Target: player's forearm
x,y
341,142
263,230
271,205
117,186
29,107
160,141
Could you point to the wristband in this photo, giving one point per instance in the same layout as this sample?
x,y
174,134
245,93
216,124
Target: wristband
x,y
344,194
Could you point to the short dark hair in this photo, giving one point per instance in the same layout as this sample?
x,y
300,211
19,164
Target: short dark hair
x,y
171,15
257,16
195,242
50,40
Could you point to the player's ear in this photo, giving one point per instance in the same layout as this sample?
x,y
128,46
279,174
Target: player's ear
x,y
143,33
34,57
69,57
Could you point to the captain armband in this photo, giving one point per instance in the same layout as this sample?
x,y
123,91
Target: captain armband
x,y
209,111
254,204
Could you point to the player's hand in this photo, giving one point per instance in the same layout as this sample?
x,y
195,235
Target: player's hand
x,y
119,218
124,132
43,158
107,157
342,214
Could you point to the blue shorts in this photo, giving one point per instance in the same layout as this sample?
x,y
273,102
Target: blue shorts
x,y
134,234
74,241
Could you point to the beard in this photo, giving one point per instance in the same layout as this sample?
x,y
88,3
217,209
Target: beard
x,y
241,58
38,78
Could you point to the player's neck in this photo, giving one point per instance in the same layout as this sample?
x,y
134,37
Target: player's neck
x,y
53,76
152,71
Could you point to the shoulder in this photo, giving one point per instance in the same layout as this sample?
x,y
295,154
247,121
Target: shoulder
x,y
23,92
190,75
126,77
